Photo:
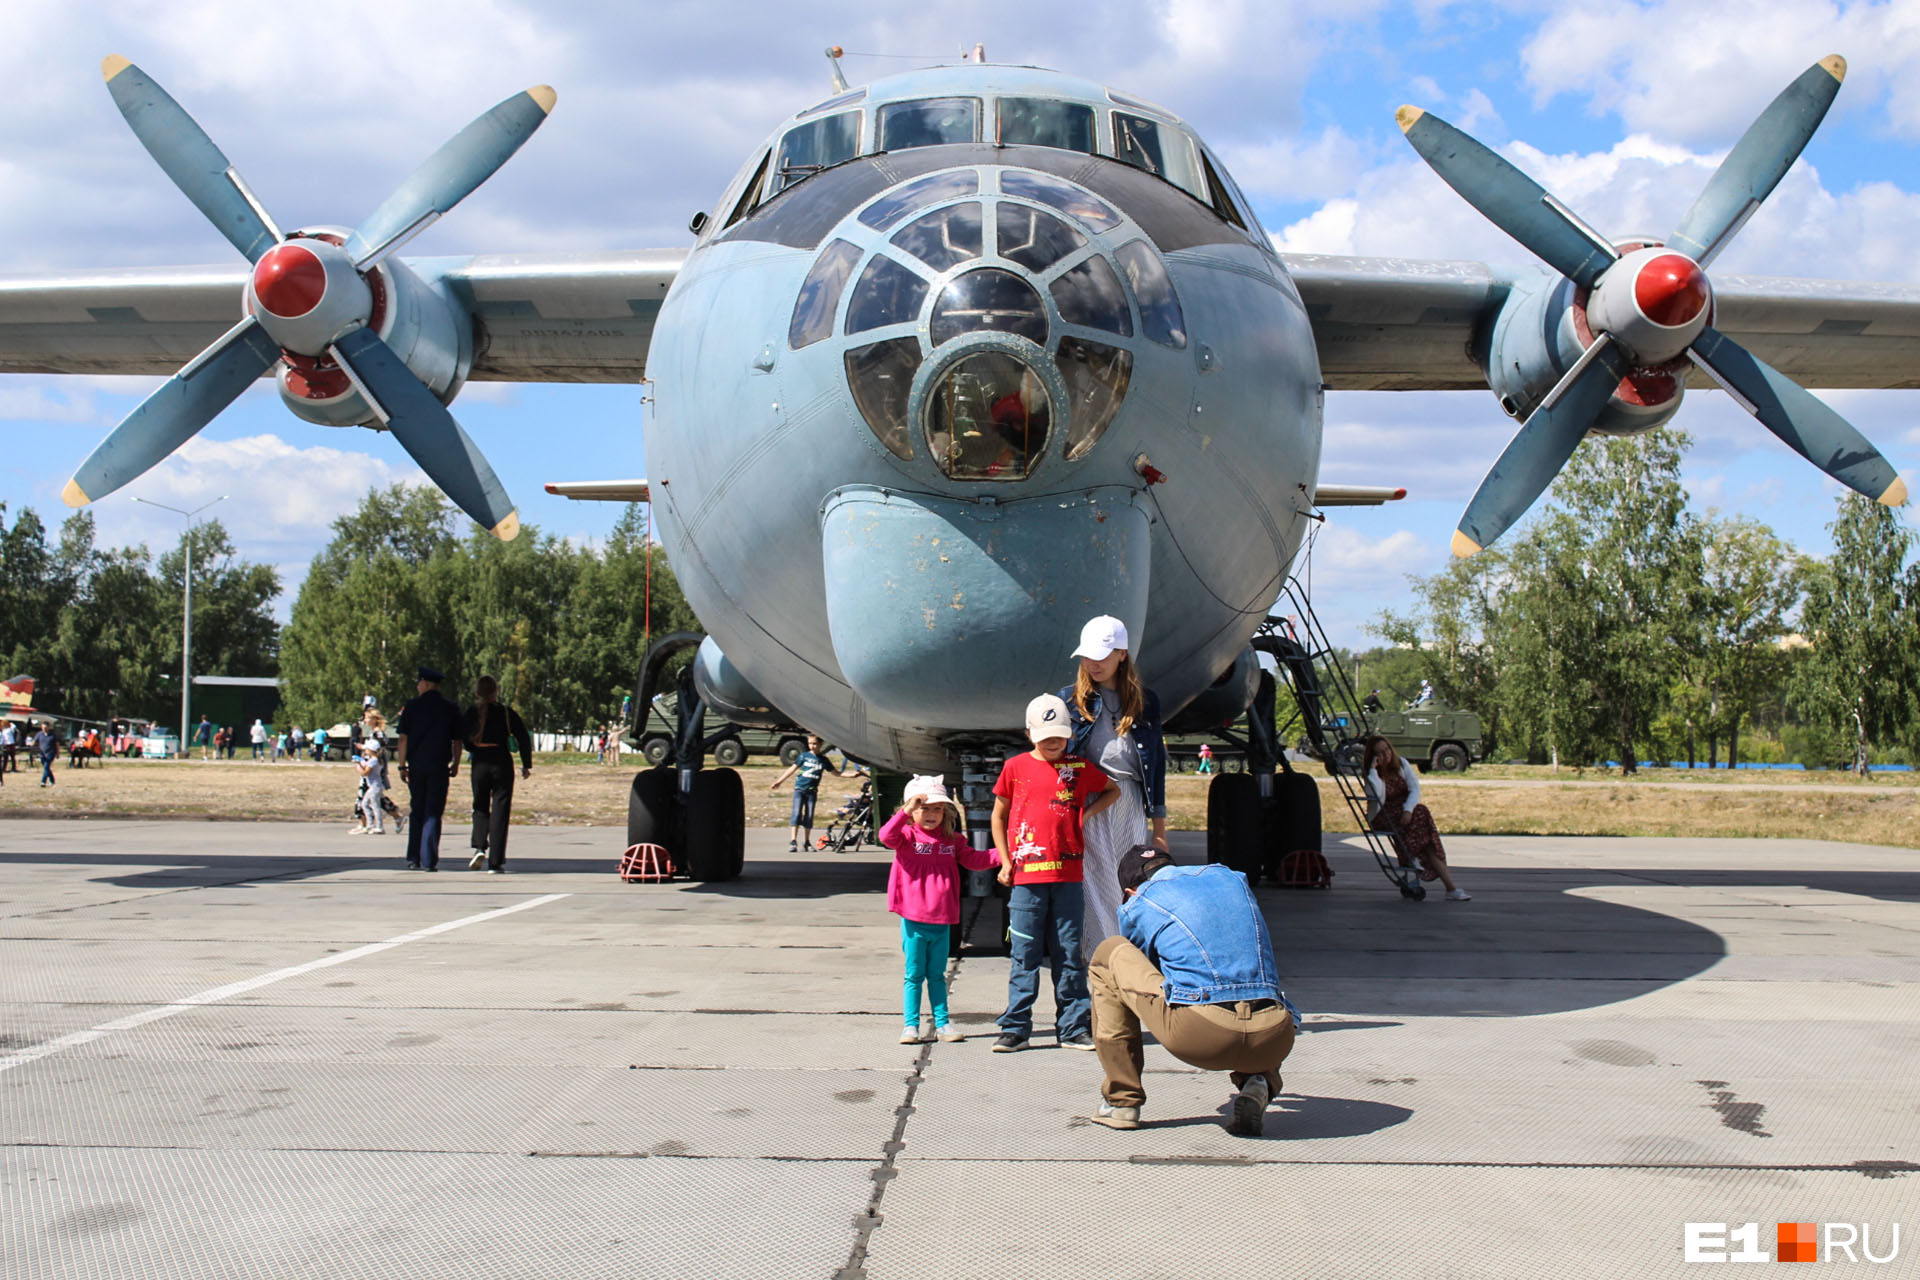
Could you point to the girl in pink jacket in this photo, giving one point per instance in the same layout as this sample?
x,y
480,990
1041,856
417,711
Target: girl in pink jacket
x,y
924,891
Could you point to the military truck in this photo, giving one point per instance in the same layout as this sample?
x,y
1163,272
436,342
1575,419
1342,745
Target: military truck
x,y
739,742
1434,736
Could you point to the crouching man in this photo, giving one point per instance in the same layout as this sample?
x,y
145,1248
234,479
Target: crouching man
x,y
1195,967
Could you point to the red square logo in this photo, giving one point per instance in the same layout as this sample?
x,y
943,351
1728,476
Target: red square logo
x,y
1796,1242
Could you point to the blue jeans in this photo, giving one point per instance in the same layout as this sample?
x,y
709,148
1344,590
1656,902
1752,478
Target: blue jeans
x,y
1043,921
926,949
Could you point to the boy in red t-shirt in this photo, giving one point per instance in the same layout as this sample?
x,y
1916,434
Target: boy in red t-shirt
x,y
1040,803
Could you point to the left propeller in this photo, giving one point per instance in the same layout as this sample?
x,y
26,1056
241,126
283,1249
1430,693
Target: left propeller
x,y
1649,310
308,301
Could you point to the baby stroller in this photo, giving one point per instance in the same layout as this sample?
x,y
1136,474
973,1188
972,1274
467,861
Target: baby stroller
x,y
852,823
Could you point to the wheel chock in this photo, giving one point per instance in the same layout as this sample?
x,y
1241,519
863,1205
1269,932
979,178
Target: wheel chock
x,y
649,863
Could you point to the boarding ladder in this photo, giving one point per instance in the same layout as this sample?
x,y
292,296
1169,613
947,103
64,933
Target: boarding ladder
x,y
1329,714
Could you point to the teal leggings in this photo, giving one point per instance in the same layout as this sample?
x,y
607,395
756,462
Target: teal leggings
x,y
926,948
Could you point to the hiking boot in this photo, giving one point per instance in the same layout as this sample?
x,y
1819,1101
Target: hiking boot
x,y
1116,1117
1248,1108
1009,1042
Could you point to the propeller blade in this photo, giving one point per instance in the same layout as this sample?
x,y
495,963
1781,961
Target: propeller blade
x,y
427,431
189,157
1537,452
450,174
1799,418
172,415
1510,199
1758,161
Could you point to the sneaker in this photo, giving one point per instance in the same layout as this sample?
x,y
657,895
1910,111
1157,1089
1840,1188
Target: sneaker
x,y
1009,1042
1083,1041
910,1035
1459,895
433,868
793,846
949,1035
1248,1115
356,831
496,871
1116,1117
477,861
413,866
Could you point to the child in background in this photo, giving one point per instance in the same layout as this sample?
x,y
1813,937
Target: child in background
x,y
1041,802
805,773
924,891
372,767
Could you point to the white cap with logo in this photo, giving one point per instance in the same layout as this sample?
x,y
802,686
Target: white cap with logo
x,y
1047,718
1100,637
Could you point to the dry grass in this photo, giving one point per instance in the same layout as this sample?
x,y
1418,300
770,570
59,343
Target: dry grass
x,y
1882,810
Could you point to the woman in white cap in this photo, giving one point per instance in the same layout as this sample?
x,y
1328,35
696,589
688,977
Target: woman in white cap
x,y
1116,724
924,891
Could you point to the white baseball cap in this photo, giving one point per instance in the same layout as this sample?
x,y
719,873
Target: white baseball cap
x,y
1047,718
930,788
1101,636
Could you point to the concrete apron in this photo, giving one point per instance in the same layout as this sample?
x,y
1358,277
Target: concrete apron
x,y
259,1050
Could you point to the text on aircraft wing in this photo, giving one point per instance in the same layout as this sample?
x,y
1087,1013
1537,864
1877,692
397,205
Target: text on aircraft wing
x,y
1408,324
541,317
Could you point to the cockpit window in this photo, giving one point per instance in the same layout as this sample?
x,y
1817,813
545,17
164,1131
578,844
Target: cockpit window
x,y
904,199
943,238
988,299
1160,315
887,294
1074,201
1042,122
1222,201
1097,377
750,194
1159,149
881,377
929,122
1033,239
820,294
987,418
1091,295
809,148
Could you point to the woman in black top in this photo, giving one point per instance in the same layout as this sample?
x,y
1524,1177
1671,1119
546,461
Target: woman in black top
x,y
490,729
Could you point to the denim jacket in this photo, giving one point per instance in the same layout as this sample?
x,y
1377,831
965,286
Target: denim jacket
x,y
1148,745
1202,929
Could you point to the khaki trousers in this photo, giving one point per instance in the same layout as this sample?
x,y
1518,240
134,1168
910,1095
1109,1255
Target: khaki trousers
x,y
1126,992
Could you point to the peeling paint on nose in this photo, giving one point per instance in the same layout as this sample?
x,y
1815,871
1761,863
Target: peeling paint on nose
x,y
964,638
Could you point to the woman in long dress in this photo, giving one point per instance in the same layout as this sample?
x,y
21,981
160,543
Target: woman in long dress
x,y
1116,725
1394,789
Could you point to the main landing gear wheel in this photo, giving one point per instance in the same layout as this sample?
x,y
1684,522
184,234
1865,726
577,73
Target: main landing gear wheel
x,y
1234,827
716,825
650,810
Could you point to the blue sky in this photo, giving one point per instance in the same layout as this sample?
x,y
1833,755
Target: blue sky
x,y
1621,108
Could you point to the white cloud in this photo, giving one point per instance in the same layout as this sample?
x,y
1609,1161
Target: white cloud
x,y
1346,550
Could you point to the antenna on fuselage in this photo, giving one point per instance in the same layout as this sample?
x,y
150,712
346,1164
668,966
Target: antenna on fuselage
x,y
834,54
979,54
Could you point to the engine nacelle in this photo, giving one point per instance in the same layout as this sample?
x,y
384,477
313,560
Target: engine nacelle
x,y
430,332
1540,332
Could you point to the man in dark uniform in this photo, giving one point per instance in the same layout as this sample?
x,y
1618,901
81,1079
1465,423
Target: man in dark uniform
x,y
429,758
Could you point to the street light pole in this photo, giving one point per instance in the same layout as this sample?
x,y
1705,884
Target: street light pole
x,y
186,614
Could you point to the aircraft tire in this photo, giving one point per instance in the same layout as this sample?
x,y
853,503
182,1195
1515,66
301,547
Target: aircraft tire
x,y
650,810
1292,820
716,825
1234,827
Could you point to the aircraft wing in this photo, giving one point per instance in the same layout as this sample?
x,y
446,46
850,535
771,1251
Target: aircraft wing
x,y
1405,324
538,318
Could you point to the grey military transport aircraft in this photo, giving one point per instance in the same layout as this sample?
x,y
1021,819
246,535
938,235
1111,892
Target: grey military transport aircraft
x,y
959,359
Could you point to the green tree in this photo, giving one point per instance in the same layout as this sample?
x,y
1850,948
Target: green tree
x,y
1856,682
1749,586
234,632
1453,638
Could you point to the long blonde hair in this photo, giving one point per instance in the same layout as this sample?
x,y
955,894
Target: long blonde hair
x,y
1126,682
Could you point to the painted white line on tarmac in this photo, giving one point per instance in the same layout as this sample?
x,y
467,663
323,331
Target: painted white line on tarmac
x,y
214,995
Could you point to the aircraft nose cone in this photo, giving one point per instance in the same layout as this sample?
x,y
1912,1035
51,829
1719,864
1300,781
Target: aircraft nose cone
x,y
289,281
1671,290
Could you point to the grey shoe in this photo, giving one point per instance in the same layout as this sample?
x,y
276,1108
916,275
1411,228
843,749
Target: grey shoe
x,y
1249,1108
1116,1117
1009,1042
1083,1041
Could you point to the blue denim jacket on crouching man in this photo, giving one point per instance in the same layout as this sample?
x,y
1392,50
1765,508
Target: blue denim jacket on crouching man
x,y
1148,745
1201,927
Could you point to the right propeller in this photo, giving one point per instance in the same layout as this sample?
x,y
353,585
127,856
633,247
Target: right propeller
x,y
308,301
1648,308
